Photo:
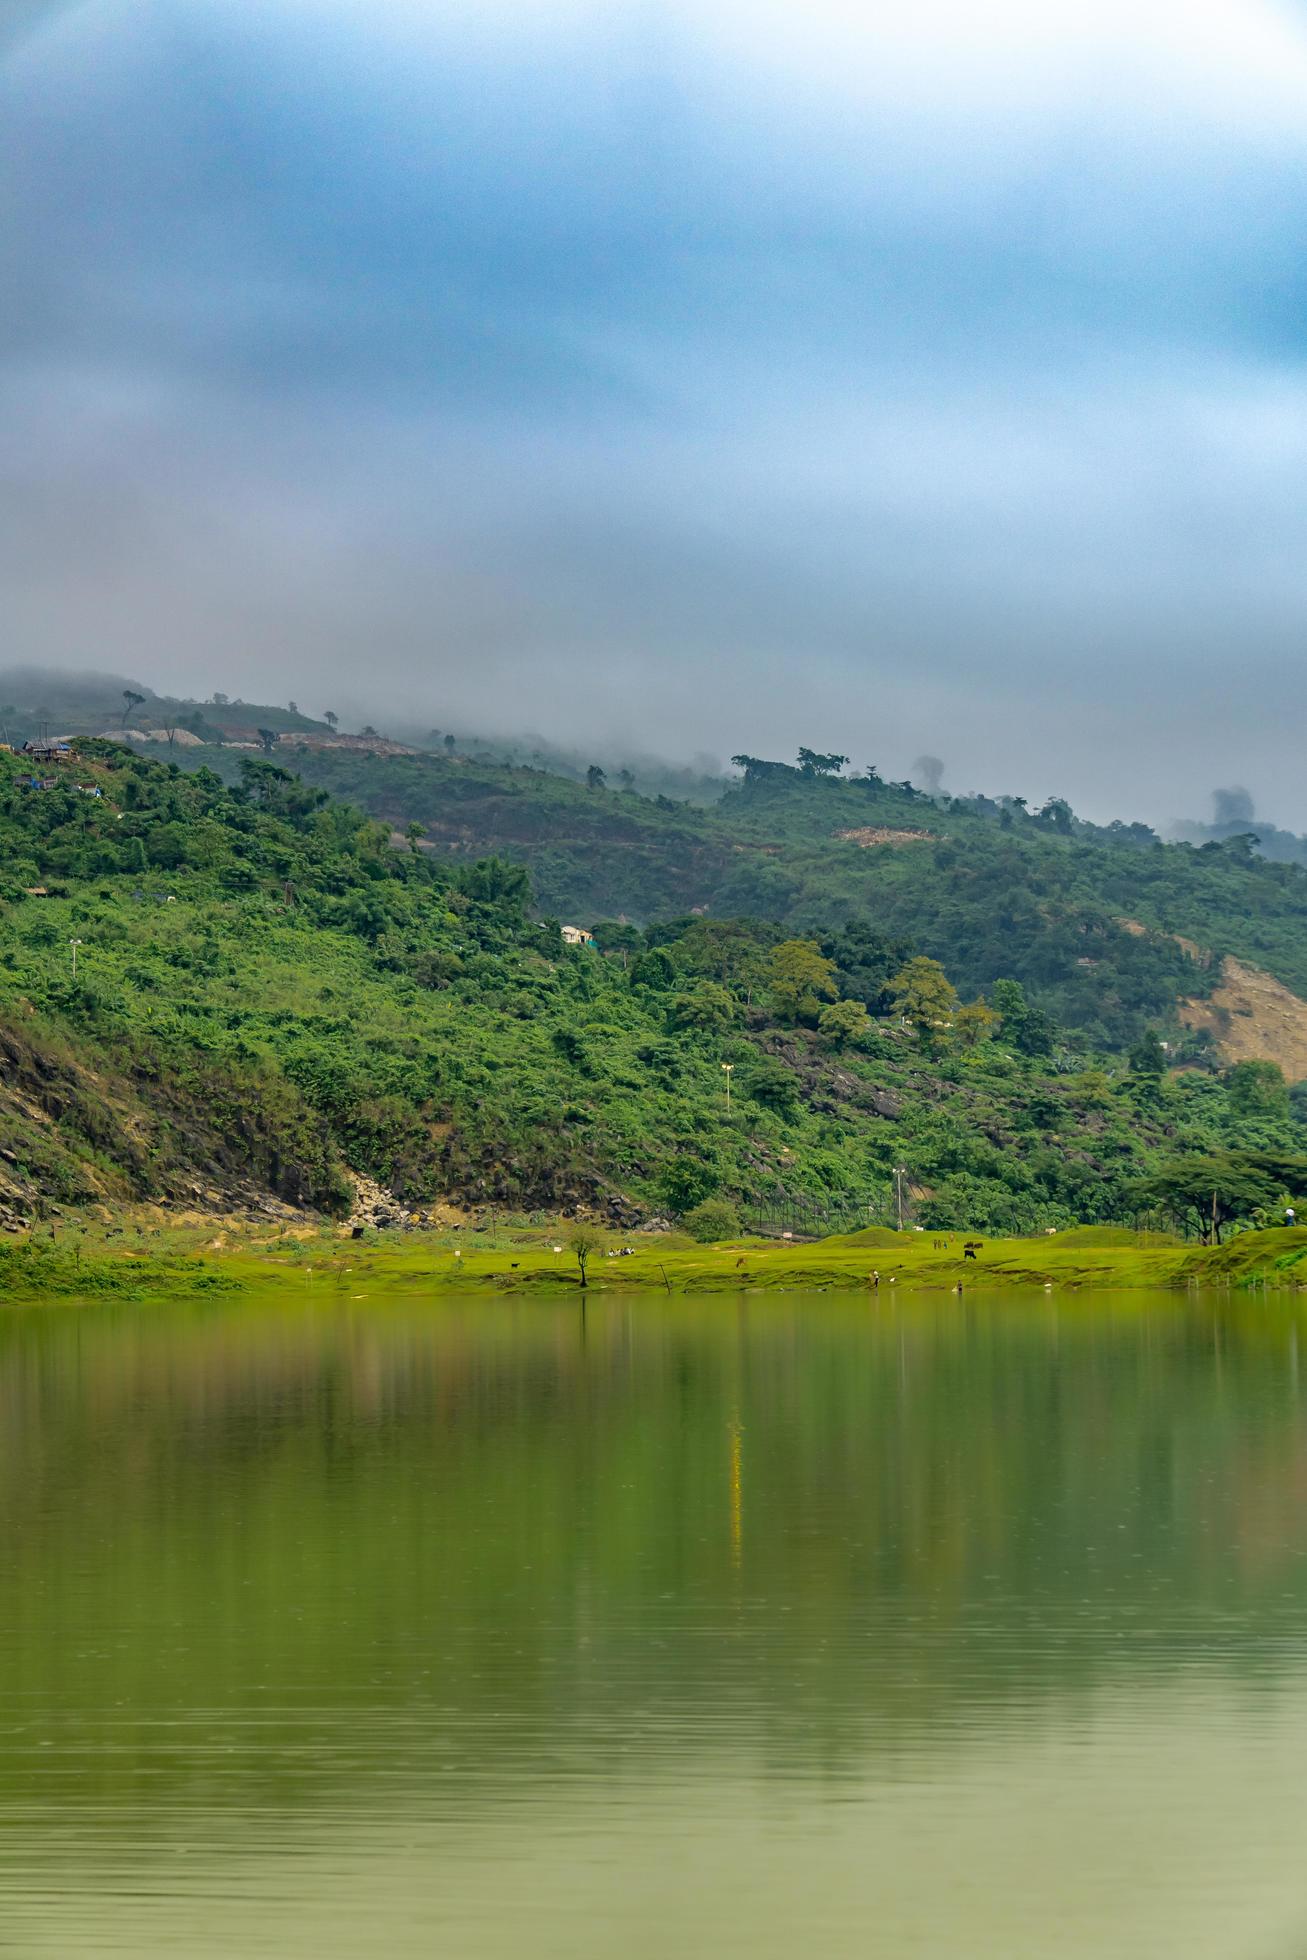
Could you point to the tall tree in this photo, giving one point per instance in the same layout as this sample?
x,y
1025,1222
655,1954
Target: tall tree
x,y
799,979
925,997
813,763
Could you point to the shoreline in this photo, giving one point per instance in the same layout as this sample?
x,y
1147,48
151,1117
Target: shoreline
x,y
182,1262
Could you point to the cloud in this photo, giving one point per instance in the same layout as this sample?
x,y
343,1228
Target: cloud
x,y
937,370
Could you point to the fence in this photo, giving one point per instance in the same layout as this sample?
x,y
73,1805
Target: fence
x,y
774,1213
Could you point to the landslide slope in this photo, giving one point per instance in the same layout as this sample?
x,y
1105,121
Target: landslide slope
x,y
1253,1017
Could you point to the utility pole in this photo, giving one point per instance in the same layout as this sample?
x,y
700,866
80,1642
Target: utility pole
x,y
75,943
899,1174
727,1070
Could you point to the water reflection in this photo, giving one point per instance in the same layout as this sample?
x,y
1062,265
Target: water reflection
x,y
953,1631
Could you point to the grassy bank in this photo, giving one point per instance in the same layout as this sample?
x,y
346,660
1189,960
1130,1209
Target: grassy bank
x,y
34,1270
151,1259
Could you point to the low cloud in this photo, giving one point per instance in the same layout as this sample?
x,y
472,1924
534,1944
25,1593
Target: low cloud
x,y
558,370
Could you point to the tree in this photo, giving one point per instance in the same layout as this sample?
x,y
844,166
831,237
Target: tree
x,y
1024,1025
415,832
708,1009
654,969
975,1023
799,978
627,780
583,1242
727,948
132,701
331,720
368,729
450,744
842,1022
812,763
1209,1190
757,770
1257,1089
770,1083
1058,815
595,777
616,936
1148,1057
926,998
500,883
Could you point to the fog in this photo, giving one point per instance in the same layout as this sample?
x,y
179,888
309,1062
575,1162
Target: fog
x,y
675,378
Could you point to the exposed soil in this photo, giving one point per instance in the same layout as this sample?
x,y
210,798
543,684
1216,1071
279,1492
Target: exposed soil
x,y
1254,1019
868,838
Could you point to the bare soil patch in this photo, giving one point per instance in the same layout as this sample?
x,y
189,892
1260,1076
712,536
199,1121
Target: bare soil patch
x,y
1254,1018
868,838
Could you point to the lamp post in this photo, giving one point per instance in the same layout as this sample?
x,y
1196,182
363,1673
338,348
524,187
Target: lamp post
x,y
75,943
727,1070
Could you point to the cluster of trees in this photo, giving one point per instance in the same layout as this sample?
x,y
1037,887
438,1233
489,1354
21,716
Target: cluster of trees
x,y
270,980
1206,1191
1097,923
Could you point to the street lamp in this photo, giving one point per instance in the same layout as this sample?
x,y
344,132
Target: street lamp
x,y
75,943
727,1071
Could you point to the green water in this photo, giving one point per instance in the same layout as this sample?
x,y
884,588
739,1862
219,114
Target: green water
x,y
798,1626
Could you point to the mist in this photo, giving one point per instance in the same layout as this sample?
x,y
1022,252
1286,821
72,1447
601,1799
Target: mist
x,y
674,380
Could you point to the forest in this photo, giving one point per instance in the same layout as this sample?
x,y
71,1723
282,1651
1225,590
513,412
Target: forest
x,y
215,989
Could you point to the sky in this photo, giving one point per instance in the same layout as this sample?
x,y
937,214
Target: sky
x,y
680,375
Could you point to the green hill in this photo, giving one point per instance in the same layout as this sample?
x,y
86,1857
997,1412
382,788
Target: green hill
x,y
1089,918
270,994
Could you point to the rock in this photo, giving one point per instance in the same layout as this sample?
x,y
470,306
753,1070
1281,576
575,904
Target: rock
x,y
884,1102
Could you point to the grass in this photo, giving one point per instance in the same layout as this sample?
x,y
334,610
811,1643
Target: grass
x,y
152,1255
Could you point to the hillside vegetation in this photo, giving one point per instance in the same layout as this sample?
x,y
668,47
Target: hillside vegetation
x,y
1106,927
271,995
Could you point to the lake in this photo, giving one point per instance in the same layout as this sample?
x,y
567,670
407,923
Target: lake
x,y
771,1627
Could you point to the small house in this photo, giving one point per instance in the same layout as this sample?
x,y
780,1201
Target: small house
x,y
577,936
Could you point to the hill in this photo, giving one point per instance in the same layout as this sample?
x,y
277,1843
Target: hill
x,y
1108,928
37,702
271,998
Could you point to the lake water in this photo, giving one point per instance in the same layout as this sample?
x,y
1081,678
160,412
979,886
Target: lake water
x,y
778,1627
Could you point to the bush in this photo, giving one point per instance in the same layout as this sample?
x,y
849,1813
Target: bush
x,y
686,1182
773,1085
712,1220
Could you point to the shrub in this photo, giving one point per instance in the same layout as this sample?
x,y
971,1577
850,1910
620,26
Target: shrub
x,y
685,1183
712,1220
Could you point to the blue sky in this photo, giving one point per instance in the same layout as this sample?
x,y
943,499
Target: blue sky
x,y
689,377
